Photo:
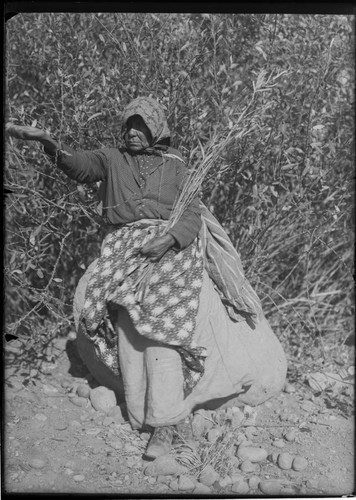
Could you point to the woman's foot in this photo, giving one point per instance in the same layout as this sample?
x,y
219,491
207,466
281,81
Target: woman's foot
x,y
185,432
160,442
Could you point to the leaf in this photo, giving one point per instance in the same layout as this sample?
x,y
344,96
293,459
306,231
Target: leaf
x,y
102,38
185,46
35,233
318,127
57,280
95,115
40,273
257,47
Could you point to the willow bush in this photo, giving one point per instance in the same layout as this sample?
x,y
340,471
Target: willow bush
x,y
284,192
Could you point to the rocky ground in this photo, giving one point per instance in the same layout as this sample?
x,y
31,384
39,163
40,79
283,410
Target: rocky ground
x,y
64,435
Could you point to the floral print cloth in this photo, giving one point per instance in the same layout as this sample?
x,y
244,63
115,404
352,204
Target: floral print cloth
x,y
166,312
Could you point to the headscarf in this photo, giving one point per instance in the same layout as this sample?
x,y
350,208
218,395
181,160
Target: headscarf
x,y
152,114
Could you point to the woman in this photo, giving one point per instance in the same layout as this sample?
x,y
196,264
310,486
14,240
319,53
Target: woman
x,y
160,319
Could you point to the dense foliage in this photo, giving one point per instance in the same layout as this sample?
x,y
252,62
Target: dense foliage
x,y
285,192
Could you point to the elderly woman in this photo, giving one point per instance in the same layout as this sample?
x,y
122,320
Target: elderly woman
x,y
158,319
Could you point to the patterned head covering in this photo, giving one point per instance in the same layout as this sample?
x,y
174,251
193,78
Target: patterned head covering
x,y
152,114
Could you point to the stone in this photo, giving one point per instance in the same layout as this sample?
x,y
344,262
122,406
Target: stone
x,y
247,467
174,484
83,391
208,476
40,417
240,487
293,418
253,454
223,482
145,436
285,461
164,466
270,487
198,425
235,477
78,478
201,489
253,482
273,457
116,414
49,389
289,388
102,398
78,401
307,406
201,422
278,443
250,432
186,483
66,384
213,434
108,421
237,417
246,442
289,491
290,436
299,463
37,462
163,479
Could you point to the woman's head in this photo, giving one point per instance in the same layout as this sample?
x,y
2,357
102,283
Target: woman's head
x,y
144,124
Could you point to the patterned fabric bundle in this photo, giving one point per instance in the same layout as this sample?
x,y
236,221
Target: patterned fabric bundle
x,y
167,314
224,267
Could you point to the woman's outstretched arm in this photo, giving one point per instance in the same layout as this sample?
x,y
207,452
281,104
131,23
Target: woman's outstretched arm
x,y
27,133
82,166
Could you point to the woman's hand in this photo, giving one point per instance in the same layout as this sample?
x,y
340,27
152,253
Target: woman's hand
x,y
157,247
24,132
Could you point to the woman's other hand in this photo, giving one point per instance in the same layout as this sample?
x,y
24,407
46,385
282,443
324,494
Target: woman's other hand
x,y
24,132
157,247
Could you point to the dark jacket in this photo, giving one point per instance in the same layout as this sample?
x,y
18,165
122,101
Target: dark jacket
x,y
135,186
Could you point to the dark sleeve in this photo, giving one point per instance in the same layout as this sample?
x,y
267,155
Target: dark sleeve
x,y
189,224
82,166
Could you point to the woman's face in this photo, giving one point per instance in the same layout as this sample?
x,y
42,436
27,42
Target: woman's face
x,y
137,137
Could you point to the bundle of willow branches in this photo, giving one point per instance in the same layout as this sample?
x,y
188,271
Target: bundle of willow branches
x,y
241,125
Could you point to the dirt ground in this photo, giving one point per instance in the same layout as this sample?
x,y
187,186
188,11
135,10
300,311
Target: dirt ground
x,y
52,445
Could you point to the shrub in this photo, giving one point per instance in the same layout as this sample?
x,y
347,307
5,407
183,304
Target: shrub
x,y
284,193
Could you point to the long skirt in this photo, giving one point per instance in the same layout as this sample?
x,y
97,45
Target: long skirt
x,y
242,365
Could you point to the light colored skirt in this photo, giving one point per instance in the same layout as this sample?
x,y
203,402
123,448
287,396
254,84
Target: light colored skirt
x,y
243,364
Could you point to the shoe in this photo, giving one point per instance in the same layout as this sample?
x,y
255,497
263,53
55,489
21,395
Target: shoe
x,y
160,442
185,432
